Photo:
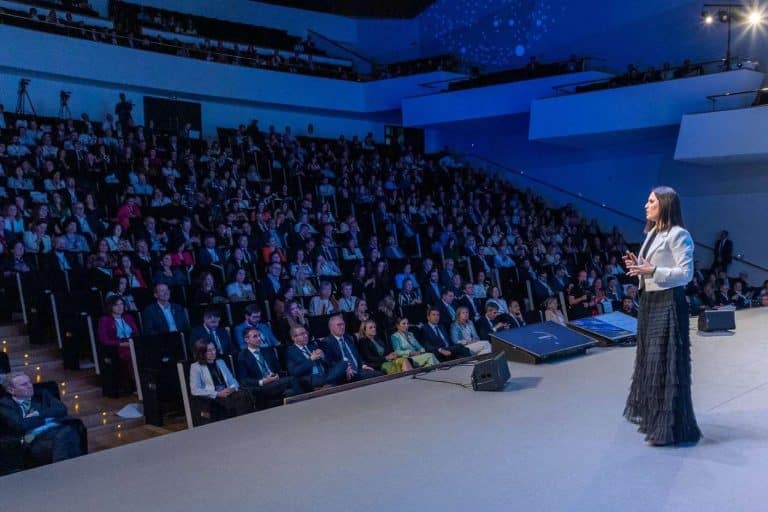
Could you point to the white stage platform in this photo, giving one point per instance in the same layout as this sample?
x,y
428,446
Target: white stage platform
x,y
553,441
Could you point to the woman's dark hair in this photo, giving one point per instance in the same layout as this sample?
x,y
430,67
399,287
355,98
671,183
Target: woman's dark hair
x,y
199,349
111,301
670,212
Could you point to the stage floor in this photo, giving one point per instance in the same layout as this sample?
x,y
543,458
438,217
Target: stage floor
x,y
553,440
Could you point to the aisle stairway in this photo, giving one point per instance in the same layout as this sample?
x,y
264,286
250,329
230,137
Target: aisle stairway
x,y
80,391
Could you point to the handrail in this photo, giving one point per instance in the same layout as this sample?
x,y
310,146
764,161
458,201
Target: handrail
x,y
137,43
562,87
725,94
592,202
341,46
713,97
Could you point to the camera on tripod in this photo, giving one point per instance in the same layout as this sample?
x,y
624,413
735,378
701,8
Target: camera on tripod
x,y
64,95
23,83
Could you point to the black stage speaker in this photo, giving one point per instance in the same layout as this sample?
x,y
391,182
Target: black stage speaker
x,y
717,320
491,374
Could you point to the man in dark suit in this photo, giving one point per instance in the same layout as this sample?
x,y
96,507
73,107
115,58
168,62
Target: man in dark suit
x,y
516,318
60,261
209,254
487,324
559,282
446,309
212,333
446,275
436,339
162,316
269,287
338,347
541,288
307,362
258,370
39,419
723,252
431,288
468,301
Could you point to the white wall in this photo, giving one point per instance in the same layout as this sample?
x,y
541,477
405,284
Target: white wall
x,y
294,21
733,134
59,56
98,100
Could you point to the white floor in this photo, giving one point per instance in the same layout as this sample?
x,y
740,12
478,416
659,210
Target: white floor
x,y
554,440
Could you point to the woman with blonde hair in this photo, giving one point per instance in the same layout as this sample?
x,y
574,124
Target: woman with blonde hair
x,y
551,313
379,354
463,333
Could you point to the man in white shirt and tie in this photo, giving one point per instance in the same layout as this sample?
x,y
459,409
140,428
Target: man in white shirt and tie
x,y
258,371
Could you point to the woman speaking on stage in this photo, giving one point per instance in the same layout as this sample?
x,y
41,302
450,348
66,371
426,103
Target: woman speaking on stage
x,y
660,396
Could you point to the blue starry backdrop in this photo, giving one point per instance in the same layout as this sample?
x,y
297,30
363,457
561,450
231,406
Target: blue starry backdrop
x,y
497,34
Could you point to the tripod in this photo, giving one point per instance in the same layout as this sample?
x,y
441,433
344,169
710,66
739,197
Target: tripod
x,y
64,112
23,98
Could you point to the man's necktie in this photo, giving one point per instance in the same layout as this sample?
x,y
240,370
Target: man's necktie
x,y
316,369
263,367
346,353
440,335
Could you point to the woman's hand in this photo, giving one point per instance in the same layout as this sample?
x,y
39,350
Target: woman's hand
x,y
630,259
641,269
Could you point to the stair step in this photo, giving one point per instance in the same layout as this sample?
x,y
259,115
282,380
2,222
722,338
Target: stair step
x,y
86,405
18,343
98,441
109,422
14,329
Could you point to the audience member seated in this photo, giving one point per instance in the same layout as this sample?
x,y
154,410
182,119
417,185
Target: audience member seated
x,y
339,347
206,292
302,284
346,300
270,286
209,254
463,333
252,316
447,313
120,289
437,340
468,301
379,353
409,295
489,323
210,377
240,290
258,369
516,318
405,344
162,316
210,332
324,302
38,421
133,275
552,313
740,299
306,362
116,329
169,275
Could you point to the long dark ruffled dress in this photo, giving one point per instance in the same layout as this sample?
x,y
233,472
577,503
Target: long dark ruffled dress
x,y
660,396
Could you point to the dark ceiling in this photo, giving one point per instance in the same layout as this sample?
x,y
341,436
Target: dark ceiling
x,y
360,8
